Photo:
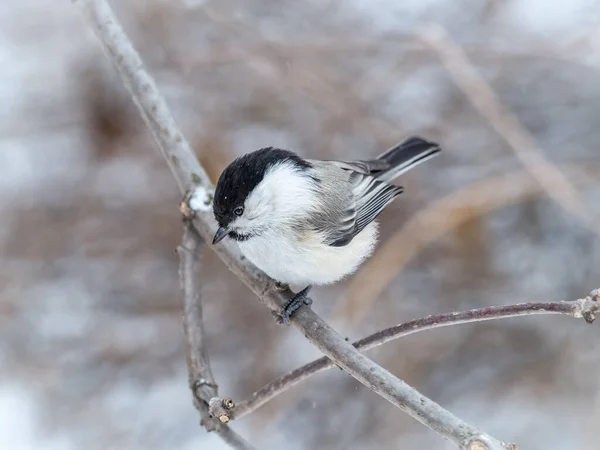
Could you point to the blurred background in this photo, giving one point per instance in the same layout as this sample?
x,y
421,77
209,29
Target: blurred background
x,y
91,341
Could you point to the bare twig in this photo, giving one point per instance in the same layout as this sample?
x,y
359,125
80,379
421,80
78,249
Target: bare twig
x,y
188,172
344,355
201,380
153,108
586,308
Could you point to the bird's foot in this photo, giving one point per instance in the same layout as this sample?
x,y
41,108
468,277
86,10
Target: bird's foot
x,y
295,303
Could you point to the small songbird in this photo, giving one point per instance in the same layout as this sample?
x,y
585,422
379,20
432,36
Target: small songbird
x,y
309,222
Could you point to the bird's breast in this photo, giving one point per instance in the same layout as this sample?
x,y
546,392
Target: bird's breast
x,y
302,259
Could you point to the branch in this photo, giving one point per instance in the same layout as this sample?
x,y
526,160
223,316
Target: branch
x,y
344,355
201,380
586,308
188,173
173,146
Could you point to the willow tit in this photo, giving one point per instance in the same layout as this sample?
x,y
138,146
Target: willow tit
x,y
309,222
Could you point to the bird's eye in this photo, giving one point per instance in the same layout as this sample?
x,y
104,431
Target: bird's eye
x,y
238,211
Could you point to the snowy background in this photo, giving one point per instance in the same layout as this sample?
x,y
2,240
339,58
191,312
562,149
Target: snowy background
x,y
91,343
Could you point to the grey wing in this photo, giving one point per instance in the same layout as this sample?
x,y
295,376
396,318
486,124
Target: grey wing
x,y
351,203
371,197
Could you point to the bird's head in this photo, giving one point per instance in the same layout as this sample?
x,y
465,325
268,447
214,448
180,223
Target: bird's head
x,y
261,190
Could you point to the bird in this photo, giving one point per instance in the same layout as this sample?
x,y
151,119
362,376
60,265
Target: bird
x,y
305,221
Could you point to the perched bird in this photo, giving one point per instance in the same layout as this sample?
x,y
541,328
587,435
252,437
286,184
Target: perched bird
x,y
309,222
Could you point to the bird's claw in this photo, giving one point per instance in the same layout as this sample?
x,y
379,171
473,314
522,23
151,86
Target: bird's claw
x,y
301,298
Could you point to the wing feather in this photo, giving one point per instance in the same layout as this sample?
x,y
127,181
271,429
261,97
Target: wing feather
x,y
346,212
372,196
367,199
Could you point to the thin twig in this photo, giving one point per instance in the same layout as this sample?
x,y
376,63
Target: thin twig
x,y
201,380
344,355
173,146
188,172
583,308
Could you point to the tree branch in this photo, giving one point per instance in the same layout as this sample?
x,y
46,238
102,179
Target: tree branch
x,y
201,380
344,355
586,308
173,146
188,173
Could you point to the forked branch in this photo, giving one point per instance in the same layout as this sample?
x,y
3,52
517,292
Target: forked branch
x,y
190,175
201,380
586,309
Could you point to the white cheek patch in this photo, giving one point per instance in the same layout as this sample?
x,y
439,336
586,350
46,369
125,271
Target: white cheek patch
x,y
284,192
202,199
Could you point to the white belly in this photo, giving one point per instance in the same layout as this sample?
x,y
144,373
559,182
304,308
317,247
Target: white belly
x,y
296,261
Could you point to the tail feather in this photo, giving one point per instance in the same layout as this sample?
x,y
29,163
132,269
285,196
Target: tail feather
x,y
405,156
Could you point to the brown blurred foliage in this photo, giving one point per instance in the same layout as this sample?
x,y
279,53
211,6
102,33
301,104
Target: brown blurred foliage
x,y
89,311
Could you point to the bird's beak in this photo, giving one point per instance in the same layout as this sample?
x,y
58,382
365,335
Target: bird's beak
x,y
220,235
